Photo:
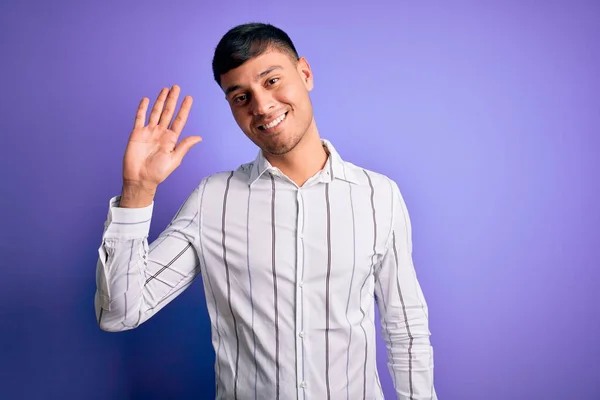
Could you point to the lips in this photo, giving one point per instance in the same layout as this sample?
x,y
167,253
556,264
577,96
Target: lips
x,y
273,123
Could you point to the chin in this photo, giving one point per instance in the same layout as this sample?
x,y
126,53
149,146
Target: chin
x,y
275,148
280,145
278,151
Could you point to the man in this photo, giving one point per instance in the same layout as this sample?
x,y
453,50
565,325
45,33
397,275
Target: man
x,y
293,247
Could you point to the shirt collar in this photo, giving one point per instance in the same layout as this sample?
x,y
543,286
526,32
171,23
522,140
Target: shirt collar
x,y
335,167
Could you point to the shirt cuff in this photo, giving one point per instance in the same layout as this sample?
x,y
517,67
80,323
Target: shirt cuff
x,y
127,223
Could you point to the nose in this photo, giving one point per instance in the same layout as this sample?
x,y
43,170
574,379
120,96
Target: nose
x,y
262,103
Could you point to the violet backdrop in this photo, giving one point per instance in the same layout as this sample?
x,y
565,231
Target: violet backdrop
x,y
487,114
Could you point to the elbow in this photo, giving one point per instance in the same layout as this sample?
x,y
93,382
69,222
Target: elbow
x,y
406,331
104,321
110,321
113,327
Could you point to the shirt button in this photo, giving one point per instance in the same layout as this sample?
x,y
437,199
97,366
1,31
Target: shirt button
x,y
301,284
301,334
303,384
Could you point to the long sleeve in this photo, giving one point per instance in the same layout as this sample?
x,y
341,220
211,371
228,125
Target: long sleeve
x,y
403,312
135,280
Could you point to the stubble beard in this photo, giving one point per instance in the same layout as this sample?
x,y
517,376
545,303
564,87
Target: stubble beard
x,y
273,146
280,149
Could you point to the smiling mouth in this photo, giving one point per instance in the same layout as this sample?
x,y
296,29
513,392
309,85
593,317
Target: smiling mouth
x,y
273,123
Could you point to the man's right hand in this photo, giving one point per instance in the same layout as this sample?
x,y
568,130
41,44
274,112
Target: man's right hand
x,y
152,152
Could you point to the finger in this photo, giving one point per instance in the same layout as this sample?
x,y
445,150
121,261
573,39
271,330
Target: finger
x,y
185,145
182,115
158,106
140,116
169,108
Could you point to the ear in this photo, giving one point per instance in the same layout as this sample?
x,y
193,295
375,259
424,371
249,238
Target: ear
x,y
305,73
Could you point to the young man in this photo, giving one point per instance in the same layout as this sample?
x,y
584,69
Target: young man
x,y
293,247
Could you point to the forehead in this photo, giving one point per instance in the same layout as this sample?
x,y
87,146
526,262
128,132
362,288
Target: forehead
x,y
250,71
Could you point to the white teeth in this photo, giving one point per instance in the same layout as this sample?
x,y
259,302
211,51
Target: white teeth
x,y
275,122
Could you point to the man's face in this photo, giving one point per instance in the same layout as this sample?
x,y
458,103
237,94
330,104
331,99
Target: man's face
x,y
269,99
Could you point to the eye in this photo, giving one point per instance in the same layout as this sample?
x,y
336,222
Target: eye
x,y
273,81
239,99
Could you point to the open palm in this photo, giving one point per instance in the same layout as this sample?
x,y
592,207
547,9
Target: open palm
x,y
152,152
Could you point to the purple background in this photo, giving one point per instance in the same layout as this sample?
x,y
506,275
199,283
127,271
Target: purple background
x,y
487,114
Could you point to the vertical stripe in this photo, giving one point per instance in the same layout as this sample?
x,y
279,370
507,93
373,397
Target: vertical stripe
x,y
214,298
232,279
328,227
385,323
387,329
237,339
410,336
128,268
251,296
407,236
350,290
275,288
374,226
362,311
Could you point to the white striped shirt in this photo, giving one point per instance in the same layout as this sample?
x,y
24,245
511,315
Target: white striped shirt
x,y
290,275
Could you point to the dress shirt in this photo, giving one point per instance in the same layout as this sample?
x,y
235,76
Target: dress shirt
x,y
291,276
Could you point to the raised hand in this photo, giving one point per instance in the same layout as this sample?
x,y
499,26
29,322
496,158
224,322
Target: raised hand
x,y
152,152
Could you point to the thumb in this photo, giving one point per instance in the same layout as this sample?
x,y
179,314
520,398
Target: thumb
x,y
185,145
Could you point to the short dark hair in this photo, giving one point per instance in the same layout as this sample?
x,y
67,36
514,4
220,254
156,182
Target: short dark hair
x,y
247,41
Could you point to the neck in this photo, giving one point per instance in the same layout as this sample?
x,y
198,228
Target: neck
x,y
305,160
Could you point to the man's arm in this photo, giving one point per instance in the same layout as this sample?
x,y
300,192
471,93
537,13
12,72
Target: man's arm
x,y
135,280
403,311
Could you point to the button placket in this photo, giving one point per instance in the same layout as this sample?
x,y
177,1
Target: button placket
x,y
299,287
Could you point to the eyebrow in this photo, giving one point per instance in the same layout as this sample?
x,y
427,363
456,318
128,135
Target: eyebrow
x,y
259,76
